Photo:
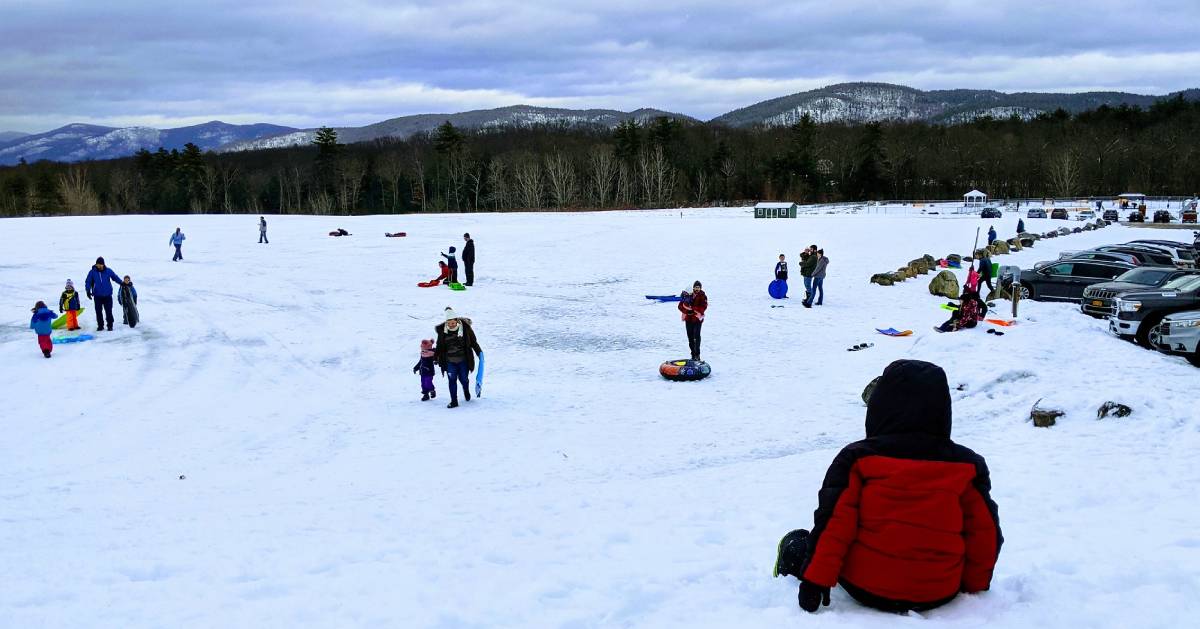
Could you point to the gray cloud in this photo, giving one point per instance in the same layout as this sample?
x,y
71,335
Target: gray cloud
x,y
360,61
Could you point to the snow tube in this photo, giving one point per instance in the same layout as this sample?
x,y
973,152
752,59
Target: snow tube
x,y
59,340
777,289
684,370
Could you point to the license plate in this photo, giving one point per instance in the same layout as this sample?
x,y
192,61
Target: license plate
x,y
1097,302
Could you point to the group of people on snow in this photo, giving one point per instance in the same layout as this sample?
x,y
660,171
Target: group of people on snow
x,y
99,288
813,267
449,267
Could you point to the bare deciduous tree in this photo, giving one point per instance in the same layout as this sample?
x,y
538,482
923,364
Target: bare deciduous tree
x,y
529,186
560,177
77,193
1063,173
602,172
390,169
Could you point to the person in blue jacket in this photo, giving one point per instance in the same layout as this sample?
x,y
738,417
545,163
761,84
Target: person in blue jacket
x,y
177,240
991,235
99,288
42,322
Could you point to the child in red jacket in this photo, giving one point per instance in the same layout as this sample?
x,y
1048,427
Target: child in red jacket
x,y
693,306
905,520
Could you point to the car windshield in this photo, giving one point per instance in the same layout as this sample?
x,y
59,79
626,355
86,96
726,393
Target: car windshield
x,y
1186,283
1147,277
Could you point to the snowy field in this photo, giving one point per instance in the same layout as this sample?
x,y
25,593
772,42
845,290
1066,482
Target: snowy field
x,y
256,454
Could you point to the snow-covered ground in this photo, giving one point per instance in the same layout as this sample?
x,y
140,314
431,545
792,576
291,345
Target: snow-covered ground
x,y
255,453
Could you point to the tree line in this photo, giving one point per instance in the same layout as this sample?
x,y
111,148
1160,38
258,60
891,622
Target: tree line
x,y
664,162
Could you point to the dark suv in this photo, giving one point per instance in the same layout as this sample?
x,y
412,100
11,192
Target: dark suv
x,y
1136,217
1136,313
1098,298
1060,214
1111,216
1162,216
1066,280
991,212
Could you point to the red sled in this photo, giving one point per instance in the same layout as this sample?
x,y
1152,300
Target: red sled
x,y
429,284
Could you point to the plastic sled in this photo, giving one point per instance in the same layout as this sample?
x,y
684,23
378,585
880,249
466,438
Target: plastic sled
x,y
59,340
894,332
457,286
61,321
949,307
777,289
429,284
395,235
664,297
479,377
1000,322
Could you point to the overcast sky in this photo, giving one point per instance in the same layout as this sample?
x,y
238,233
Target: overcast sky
x,y
355,62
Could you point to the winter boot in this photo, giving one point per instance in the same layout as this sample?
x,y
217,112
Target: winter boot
x,y
793,550
452,404
467,393
425,396
46,353
433,394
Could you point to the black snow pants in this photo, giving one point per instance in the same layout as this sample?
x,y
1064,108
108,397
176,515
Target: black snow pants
x,y
104,308
470,271
693,334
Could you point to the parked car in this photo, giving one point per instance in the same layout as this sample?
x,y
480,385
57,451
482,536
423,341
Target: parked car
x,y
1060,214
1188,216
991,212
1111,216
1065,280
1094,254
1098,298
1145,254
1085,215
1136,217
1182,254
1162,216
1036,212
1179,334
1136,313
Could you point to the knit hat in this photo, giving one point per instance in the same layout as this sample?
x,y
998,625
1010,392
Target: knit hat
x,y
70,284
696,284
450,314
426,348
100,260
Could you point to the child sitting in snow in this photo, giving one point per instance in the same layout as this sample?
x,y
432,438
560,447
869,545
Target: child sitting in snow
x,y
42,322
424,366
69,303
971,310
905,519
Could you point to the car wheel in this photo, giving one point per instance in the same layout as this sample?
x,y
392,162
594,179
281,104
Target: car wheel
x,y
1143,334
1026,292
1194,357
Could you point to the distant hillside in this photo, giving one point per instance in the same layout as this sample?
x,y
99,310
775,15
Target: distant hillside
x,y
79,142
871,102
9,136
504,117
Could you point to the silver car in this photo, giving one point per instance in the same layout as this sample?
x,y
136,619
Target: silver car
x,y
1179,334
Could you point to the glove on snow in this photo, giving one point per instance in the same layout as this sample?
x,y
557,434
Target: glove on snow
x,y
812,596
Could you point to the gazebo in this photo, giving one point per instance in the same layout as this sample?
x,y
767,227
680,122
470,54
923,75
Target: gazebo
x,y
975,198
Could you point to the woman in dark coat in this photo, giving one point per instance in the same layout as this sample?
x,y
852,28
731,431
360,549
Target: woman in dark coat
x,y
455,353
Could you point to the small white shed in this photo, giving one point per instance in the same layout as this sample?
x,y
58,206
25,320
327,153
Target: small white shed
x,y
975,198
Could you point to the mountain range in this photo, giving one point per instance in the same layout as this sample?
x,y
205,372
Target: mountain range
x,y
846,102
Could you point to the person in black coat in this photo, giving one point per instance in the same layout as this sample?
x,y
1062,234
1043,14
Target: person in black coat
x,y
468,258
781,269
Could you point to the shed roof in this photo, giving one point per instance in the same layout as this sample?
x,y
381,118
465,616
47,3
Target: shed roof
x,y
774,204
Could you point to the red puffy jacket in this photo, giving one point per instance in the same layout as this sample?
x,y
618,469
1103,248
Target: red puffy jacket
x,y
905,518
694,311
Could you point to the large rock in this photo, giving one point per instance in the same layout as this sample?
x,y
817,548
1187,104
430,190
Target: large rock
x,y
906,272
1044,417
1089,227
945,284
1014,244
930,259
1077,230
920,265
999,293
982,252
882,279
999,247
1117,410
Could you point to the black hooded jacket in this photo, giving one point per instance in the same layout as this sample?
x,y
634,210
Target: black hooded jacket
x,y
905,519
